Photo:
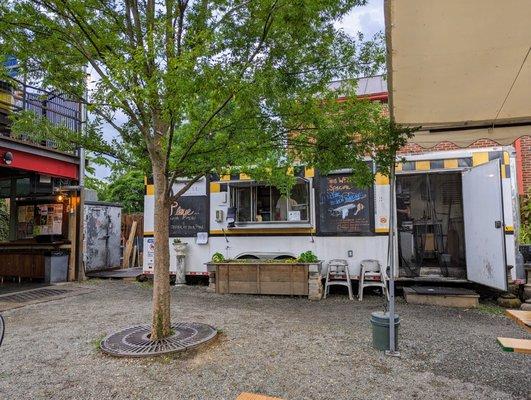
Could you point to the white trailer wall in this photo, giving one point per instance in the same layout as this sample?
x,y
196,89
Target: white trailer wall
x,y
295,238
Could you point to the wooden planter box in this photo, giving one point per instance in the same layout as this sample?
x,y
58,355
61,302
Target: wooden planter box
x,y
261,278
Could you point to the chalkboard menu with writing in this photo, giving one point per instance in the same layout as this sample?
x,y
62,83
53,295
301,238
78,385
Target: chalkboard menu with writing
x,y
343,208
189,215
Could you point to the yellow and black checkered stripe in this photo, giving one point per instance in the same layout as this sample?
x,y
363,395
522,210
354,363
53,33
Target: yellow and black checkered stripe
x,y
476,159
428,165
149,188
486,156
218,183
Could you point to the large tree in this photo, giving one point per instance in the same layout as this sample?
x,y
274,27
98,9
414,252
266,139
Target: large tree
x,y
124,187
204,85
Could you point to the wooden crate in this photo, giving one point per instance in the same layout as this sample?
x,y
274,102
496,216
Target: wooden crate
x,y
262,278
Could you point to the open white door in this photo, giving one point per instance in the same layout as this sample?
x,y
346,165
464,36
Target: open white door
x,y
484,225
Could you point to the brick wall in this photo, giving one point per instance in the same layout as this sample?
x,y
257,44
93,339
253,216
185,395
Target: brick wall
x,y
523,155
412,148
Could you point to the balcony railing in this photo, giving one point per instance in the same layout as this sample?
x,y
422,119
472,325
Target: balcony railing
x,y
55,107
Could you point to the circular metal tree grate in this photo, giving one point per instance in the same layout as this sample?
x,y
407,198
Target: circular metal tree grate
x,y
134,341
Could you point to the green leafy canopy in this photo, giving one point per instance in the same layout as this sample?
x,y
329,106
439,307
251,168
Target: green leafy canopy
x,y
124,187
205,85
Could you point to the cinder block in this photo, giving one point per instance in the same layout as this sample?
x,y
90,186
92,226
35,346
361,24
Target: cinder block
x,y
313,268
315,296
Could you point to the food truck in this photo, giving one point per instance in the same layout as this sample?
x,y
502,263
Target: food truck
x,y
457,213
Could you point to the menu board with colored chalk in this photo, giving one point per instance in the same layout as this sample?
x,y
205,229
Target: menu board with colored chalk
x,y
343,208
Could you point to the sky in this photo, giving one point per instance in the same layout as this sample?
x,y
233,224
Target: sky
x,y
368,19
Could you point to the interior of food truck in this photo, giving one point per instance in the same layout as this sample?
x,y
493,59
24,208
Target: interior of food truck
x,y
256,202
431,238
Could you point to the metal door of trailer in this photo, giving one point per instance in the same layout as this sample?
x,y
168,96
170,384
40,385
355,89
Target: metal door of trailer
x,y
484,225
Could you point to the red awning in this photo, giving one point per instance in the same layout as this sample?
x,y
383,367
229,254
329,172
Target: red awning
x,y
27,157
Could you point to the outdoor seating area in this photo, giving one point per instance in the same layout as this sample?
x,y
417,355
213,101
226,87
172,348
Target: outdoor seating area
x,y
278,346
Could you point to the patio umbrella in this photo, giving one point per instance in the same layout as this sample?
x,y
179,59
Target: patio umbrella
x,y
459,70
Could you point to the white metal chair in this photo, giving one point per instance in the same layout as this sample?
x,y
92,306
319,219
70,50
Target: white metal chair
x,y
377,276
337,274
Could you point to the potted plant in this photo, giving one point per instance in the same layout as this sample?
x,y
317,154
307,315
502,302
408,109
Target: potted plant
x,y
308,257
524,233
218,258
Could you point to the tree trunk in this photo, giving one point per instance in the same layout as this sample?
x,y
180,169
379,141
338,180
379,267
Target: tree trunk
x,y
161,279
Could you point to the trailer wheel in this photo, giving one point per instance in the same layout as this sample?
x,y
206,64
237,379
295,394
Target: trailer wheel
x,y
142,278
173,280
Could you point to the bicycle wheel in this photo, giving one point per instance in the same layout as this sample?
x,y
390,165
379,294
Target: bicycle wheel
x,y
2,327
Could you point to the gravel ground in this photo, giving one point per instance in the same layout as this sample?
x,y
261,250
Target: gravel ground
x,y
286,347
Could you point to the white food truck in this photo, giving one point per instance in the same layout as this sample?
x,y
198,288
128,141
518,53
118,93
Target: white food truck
x,y
457,213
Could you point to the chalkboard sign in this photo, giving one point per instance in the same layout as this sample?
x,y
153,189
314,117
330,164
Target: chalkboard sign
x,y
343,208
189,215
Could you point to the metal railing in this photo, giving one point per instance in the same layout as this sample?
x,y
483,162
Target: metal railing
x,y
55,107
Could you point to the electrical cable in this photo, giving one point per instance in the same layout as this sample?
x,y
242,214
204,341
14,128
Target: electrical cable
x,y
511,87
2,329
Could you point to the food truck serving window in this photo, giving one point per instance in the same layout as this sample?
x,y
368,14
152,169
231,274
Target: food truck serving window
x,y
258,202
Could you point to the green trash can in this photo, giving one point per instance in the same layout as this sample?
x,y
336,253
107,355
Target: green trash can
x,y
380,330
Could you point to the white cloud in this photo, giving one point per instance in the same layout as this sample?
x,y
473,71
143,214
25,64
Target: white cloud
x,y
368,19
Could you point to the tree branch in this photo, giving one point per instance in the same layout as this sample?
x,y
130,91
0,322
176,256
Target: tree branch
x,y
188,185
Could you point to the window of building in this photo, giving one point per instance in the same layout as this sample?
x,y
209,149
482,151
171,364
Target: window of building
x,y
5,187
258,202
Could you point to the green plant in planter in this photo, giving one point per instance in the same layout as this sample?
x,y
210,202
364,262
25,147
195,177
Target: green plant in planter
x,y
218,258
307,257
524,235
289,260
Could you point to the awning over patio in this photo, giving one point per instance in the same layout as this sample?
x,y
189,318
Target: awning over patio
x,y
456,65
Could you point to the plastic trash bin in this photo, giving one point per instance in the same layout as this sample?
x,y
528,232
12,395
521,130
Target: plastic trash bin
x,y
380,330
55,266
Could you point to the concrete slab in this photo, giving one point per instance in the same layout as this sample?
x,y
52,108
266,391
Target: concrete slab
x,y
116,273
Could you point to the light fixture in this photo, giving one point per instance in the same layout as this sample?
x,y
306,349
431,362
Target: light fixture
x,y
8,158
